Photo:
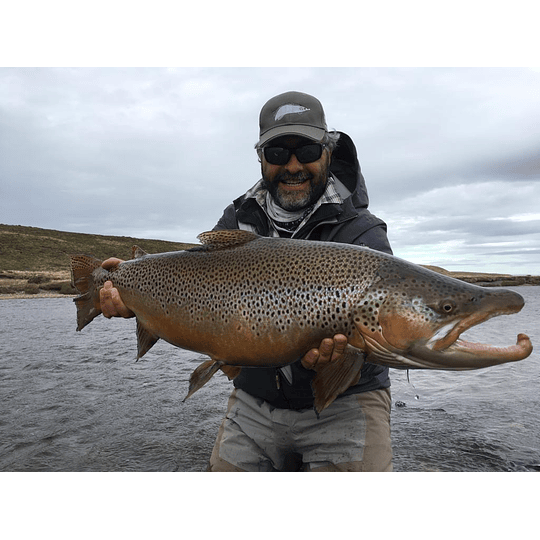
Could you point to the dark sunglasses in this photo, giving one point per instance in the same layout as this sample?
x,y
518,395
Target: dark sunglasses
x,y
276,155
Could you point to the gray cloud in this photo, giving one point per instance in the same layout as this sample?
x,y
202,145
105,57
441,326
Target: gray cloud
x,y
450,156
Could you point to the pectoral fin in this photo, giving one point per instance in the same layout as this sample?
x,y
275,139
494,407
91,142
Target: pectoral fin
x,y
231,371
334,378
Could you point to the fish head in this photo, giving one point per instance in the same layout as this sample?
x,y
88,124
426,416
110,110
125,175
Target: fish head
x,y
413,318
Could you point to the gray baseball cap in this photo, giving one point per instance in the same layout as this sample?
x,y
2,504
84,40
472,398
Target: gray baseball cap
x,y
292,113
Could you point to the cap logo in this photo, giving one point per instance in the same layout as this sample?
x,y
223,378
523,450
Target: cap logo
x,y
290,108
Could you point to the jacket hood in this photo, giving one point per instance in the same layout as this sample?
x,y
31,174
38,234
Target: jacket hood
x,y
345,166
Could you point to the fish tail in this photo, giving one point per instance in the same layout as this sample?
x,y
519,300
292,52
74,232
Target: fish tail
x,y
88,305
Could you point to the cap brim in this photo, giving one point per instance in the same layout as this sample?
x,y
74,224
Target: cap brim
x,y
313,133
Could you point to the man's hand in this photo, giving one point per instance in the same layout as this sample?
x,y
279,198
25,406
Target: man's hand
x,y
109,297
329,351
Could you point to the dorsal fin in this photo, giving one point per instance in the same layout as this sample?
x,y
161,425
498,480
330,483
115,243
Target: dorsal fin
x,y
225,239
137,252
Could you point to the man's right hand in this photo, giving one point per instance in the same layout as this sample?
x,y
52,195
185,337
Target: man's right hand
x,y
109,297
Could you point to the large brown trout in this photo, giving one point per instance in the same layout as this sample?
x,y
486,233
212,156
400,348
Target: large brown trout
x,y
249,301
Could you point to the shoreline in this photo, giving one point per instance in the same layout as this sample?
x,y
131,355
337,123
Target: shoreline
x,y
26,296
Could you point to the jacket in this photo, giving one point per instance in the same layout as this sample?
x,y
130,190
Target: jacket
x,y
349,222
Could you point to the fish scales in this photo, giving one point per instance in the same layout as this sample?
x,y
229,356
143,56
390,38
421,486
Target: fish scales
x,y
249,301
294,298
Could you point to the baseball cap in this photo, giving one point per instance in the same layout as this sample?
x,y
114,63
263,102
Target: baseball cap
x,y
292,113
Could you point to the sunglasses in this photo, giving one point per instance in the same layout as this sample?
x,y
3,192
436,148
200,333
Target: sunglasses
x,y
276,155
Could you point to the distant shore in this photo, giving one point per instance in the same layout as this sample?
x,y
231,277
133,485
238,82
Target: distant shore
x,y
485,279
24,296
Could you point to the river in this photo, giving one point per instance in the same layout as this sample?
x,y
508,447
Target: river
x,y
78,401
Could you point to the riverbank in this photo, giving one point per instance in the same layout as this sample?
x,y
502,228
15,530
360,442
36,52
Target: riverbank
x,y
24,296
485,279
35,284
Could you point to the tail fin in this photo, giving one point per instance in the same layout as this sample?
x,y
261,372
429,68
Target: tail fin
x,y
88,306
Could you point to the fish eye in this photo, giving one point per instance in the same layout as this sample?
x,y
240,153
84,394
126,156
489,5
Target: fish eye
x,y
447,306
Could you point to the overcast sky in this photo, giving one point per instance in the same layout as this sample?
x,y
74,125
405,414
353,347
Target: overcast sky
x,y
451,156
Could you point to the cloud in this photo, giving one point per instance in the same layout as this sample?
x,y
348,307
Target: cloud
x,y
450,156
478,225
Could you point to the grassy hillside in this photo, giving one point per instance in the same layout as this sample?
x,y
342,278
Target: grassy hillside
x,y
36,261
32,249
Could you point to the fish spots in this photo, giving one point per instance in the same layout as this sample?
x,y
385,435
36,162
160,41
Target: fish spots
x,y
263,287
366,315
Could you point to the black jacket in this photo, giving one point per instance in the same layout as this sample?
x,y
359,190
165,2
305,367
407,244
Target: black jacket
x,y
348,223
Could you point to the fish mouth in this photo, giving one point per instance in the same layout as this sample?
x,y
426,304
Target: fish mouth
x,y
448,348
460,355
519,351
448,335
464,355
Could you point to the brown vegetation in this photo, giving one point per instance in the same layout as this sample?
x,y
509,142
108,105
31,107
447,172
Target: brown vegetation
x,y
35,262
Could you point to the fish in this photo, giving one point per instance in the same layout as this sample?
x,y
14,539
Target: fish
x,y
290,108
248,301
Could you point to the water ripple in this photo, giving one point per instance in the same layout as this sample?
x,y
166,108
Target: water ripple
x,y
78,401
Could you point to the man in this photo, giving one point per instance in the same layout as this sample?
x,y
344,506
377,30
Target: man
x,y
311,188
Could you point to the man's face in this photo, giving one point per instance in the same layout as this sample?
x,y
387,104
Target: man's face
x,y
294,185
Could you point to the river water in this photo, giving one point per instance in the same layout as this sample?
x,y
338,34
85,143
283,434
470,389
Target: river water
x,y
78,401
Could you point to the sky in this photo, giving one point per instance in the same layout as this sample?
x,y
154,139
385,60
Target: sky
x,y
451,156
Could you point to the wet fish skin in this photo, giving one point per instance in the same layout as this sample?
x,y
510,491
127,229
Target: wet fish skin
x,y
249,301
